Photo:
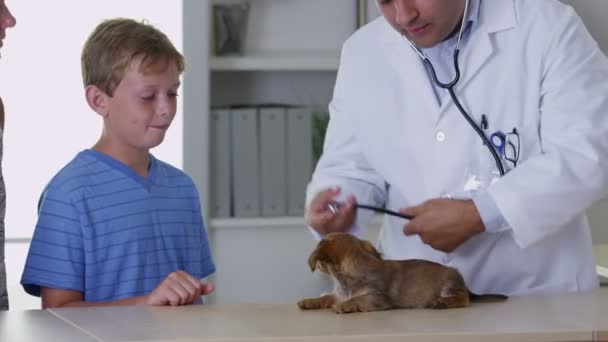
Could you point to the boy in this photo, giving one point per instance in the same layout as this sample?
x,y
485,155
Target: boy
x,y
117,226
7,20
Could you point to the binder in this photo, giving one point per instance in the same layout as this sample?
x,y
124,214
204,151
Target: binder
x,y
245,162
299,158
273,164
221,193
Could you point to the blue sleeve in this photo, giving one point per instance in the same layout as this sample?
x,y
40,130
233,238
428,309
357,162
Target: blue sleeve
x,y
491,216
56,255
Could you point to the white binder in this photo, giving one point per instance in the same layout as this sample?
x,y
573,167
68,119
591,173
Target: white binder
x,y
245,162
221,193
273,164
299,158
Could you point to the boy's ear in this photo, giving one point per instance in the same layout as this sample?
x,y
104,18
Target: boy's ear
x,y
97,100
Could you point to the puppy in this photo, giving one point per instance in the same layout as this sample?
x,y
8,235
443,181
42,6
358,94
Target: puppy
x,y
365,282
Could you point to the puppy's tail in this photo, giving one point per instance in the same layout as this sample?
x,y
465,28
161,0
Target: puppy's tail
x,y
487,298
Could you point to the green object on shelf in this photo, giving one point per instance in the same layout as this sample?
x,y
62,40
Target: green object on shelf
x,y
320,119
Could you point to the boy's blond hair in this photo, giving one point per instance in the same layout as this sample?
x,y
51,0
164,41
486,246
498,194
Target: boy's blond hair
x,y
115,43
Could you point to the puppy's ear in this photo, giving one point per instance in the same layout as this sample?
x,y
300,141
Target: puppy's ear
x,y
369,248
319,255
312,262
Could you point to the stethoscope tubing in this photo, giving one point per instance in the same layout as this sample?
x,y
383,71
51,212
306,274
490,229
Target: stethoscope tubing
x,y
334,205
450,88
385,211
467,117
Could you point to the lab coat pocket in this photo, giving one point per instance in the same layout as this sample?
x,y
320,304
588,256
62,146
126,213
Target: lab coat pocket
x,y
513,143
480,173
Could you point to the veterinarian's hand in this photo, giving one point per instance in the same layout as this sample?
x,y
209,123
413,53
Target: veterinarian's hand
x,y
179,288
444,224
323,220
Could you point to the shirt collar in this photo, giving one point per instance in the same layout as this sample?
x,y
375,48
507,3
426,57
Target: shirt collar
x,y
470,24
473,15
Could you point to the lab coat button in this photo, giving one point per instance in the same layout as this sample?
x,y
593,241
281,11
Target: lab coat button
x,y
440,136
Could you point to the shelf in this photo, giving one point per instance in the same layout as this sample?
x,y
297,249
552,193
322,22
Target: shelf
x,y
601,258
258,222
279,61
272,222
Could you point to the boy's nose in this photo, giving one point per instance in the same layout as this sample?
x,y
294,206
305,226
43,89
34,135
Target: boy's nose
x,y
164,111
166,107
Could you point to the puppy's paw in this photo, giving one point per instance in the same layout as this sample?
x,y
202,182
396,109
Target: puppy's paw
x,y
347,307
309,304
323,302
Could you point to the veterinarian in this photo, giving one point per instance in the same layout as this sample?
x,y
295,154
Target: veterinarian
x,y
7,20
499,187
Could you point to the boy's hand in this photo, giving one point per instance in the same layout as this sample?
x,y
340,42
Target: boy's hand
x,y
179,288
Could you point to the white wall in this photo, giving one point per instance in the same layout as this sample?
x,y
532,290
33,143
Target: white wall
x,y
593,13
47,119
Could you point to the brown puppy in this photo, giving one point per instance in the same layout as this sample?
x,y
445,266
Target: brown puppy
x,y
366,282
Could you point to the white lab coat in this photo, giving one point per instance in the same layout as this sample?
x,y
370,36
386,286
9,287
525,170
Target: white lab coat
x,y
530,65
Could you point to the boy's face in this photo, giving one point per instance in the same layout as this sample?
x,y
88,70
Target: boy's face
x,y
143,105
424,22
6,20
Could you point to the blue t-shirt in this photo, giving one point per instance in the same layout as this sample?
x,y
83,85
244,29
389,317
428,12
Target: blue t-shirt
x,y
109,233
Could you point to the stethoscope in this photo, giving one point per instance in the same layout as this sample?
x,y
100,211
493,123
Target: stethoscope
x,y
450,88
334,206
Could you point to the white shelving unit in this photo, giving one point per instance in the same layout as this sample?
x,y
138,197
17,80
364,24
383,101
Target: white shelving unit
x,y
258,222
279,61
289,59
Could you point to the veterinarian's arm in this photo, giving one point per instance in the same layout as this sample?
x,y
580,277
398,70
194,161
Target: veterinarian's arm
x,y
343,164
179,288
562,169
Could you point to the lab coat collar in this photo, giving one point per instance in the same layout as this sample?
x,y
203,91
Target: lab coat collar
x,y
497,15
494,16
